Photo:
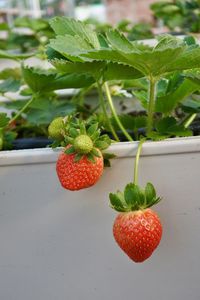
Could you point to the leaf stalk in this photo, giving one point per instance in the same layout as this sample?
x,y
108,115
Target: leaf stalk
x,y
112,108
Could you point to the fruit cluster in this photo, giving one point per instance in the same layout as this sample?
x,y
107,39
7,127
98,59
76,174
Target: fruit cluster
x,y
137,228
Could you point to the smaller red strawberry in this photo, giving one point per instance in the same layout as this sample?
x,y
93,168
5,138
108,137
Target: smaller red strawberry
x,y
81,164
137,229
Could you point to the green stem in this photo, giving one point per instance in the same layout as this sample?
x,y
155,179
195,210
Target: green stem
x,y
101,100
190,120
22,109
152,93
112,108
136,164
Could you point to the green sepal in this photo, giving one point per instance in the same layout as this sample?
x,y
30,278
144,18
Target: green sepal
x,y
70,150
134,196
73,132
69,140
91,158
82,128
96,135
150,192
95,152
103,142
78,157
55,144
92,129
107,157
116,201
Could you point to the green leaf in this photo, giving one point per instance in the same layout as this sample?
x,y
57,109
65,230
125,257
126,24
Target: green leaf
x,y
119,41
65,66
118,71
4,120
70,47
169,126
188,59
4,54
10,73
167,103
191,106
48,80
72,27
9,85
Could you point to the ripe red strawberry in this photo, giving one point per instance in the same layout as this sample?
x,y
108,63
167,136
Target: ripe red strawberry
x,y
138,233
76,175
137,229
81,164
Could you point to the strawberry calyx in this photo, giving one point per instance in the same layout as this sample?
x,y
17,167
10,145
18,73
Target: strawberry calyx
x,y
85,139
134,198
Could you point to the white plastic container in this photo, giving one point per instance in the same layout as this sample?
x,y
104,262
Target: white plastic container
x,y
57,244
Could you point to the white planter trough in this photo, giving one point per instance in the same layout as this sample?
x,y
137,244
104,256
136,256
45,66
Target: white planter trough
x,y
57,244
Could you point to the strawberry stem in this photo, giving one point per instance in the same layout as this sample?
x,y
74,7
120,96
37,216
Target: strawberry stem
x,y
101,100
152,95
22,110
112,108
190,120
136,164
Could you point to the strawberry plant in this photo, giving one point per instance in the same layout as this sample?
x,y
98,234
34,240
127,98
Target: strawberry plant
x,y
181,15
165,81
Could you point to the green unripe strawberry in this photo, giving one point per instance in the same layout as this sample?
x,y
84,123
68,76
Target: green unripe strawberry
x,y
1,143
1,138
83,144
55,128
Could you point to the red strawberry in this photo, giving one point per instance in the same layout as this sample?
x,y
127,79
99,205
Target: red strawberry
x,y
81,174
137,229
138,233
81,164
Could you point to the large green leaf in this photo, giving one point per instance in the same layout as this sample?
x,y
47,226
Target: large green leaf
x,y
9,85
65,66
110,71
69,26
116,71
4,120
70,46
10,72
188,59
48,80
119,41
168,102
5,54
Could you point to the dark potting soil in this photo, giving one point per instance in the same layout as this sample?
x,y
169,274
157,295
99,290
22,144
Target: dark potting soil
x,y
42,142
31,143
